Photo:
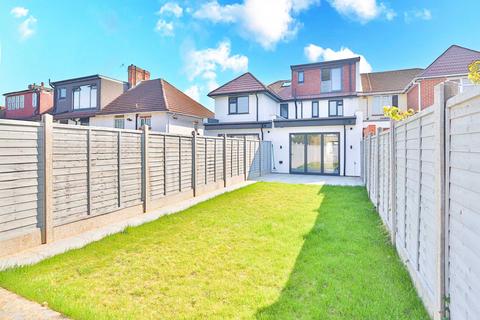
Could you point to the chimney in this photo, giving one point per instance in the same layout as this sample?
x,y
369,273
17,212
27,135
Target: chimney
x,y
136,74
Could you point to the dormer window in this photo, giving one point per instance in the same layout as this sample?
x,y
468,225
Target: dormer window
x,y
300,76
331,80
238,105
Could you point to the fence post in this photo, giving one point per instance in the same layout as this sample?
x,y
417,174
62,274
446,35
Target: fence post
x,y
224,160
393,182
194,163
377,175
47,232
440,212
245,158
370,166
146,175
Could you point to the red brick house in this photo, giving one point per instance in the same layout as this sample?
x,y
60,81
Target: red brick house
x,y
452,65
28,104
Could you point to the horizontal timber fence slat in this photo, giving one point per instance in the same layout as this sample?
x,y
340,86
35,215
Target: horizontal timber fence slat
x,y
59,180
423,176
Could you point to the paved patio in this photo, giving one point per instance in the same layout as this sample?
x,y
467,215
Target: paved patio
x,y
311,179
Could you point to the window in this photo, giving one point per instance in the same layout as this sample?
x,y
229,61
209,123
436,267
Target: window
x,y
284,110
238,105
119,122
335,108
315,110
300,76
34,100
331,79
381,101
146,121
62,93
465,83
85,97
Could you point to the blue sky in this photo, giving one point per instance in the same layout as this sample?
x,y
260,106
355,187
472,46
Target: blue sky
x,y
197,45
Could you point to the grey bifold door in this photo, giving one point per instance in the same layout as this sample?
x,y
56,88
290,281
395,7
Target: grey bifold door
x,y
315,153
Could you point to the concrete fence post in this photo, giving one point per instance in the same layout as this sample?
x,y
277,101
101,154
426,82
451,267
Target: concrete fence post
x,y
393,183
47,231
146,174
224,160
377,168
440,212
245,158
194,163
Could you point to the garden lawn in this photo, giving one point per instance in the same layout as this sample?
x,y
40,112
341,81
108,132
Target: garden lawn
x,y
267,251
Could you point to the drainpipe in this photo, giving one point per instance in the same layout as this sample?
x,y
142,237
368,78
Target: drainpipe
x,y
256,96
344,149
136,121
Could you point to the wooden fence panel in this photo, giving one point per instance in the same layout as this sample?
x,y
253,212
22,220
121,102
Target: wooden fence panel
x,y
186,163
172,162
200,161
130,174
156,166
21,175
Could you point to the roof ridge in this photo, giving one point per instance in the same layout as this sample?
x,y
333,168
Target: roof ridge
x,y
182,93
228,83
164,94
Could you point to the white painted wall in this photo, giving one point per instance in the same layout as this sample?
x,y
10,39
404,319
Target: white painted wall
x,y
161,122
266,109
350,107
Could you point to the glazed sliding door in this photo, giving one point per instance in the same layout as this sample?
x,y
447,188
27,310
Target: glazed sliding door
x,y
297,153
331,154
314,153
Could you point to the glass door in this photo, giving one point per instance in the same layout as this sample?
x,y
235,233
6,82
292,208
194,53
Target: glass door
x,y
314,153
297,153
331,155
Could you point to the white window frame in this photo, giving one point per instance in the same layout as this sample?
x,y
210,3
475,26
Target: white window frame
x,y
379,102
117,120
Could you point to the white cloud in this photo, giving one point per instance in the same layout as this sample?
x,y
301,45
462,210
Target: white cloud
x,y
265,21
203,65
164,28
171,8
193,92
315,53
421,14
19,12
27,27
363,10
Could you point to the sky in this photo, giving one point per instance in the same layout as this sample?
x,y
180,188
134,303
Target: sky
x,y
199,45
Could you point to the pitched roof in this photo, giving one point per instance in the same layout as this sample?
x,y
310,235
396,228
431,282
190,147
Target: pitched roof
x,y
278,85
247,82
387,81
156,95
454,61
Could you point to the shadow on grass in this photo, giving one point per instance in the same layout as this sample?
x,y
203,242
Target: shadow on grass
x,y
346,268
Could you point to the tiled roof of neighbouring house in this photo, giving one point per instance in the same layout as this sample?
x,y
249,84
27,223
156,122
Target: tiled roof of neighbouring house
x,y
387,81
247,82
454,61
156,95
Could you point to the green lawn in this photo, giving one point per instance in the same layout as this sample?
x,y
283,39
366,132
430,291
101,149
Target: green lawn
x,y
267,251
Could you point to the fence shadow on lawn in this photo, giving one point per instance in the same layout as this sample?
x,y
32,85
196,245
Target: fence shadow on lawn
x,y
346,268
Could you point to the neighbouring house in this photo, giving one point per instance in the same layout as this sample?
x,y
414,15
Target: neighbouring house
x,y
452,65
313,120
77,100
2,112
28,104
380,89
156,103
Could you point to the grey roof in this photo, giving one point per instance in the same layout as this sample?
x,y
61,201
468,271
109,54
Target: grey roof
x,y
454,61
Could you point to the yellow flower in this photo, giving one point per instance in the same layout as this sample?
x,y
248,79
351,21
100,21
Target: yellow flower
x,y
474,72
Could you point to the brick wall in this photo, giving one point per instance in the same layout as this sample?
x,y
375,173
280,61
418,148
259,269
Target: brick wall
x,y
427,91
412,98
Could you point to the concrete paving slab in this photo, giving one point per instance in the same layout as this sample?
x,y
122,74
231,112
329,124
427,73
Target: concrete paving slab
x,y
311,179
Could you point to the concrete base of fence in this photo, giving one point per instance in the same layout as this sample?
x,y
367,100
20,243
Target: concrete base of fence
x,y
39,253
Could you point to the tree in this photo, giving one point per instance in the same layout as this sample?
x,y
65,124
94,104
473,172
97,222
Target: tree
x,y
474,72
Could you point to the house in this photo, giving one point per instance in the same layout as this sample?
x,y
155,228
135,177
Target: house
x,y
156,103
77,100
452,65
382,89
28,104
313,120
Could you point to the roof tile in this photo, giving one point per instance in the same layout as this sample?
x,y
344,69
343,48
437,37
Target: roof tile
x,y
454,61
388,81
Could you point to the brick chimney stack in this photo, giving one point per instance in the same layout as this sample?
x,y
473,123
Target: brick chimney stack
x,y
136,74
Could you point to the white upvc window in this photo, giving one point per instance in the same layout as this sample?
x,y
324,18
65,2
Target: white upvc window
x,y
379,102
119,122
85,97
146,120
34,99
465,83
